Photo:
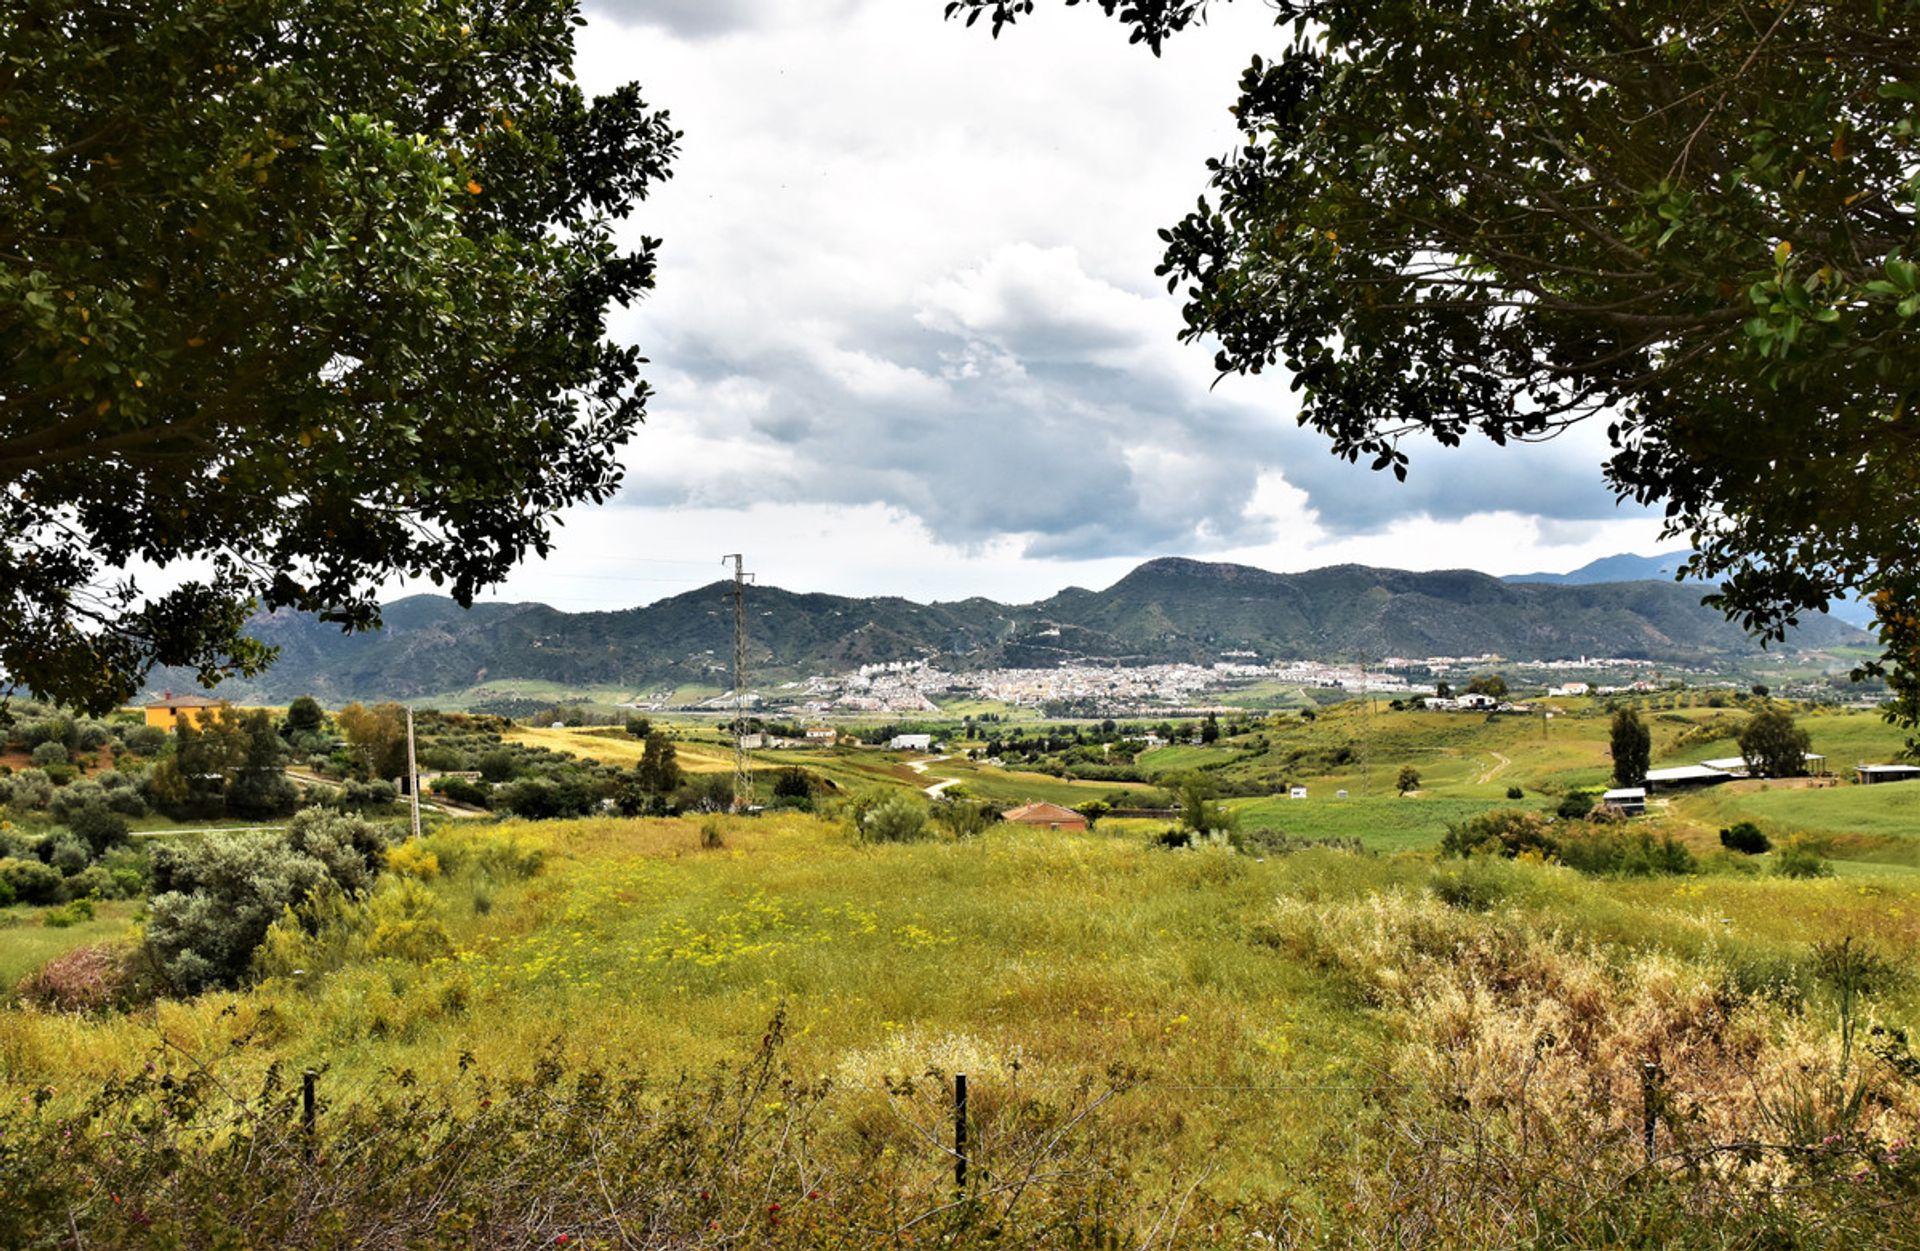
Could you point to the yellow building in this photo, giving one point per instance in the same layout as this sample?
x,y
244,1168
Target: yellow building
x,y
167,711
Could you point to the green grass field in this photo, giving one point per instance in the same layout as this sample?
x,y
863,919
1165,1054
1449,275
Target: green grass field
x,y
1381,823
1279,1020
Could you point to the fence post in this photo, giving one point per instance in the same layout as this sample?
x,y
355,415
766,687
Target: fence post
x,y
309,1117
959,1134
1649,1105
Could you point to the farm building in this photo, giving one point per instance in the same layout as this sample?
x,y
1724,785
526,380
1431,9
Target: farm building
x,y
1053,816
1629,801
1875,773
1682,776
1737,765
167,711
910,742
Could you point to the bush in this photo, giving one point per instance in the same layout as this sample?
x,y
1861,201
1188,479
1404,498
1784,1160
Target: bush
x,y
1799,858
216,900
29,790
146,740
1745,837
92,978
497,765
463,791
363,797
32,882
1575,805
49,754
1598,850
888,816
100,826
258,795
1514,792
1507,832
68,914
966,818
1471,887
68,854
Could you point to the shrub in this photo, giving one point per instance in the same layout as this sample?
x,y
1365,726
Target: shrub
x,y
68,914
1470,887
1514,792
29,790
260,794
881,815
1598,850
497,765
792,783
68,854
1745,837
1507,832
966,818
216,899
49,754
91,978
710,836
146,740
1799,858
375,796
100,826
1575,805
33,882
411,859
463,791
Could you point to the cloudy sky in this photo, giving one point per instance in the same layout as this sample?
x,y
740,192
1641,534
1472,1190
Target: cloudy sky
x,y
908,340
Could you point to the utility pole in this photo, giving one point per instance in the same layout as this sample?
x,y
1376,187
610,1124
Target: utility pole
x,y
413,775
742,761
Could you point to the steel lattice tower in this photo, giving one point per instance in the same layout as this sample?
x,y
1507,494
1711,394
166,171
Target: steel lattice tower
x,y
742,761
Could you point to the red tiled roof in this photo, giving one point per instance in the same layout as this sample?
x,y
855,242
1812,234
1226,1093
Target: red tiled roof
x,y
170,700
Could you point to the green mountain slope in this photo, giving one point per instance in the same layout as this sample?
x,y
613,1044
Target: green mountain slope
x,y
1165,610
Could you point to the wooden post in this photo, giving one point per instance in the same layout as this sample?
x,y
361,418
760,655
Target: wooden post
x,y
959,1134
309,1117
1649,1108
413,776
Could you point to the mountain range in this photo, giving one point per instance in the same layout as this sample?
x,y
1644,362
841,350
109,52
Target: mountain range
x,y
1666,568
1165,610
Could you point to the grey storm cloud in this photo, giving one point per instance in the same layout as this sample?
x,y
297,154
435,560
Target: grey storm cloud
x,y
1031,398
693,19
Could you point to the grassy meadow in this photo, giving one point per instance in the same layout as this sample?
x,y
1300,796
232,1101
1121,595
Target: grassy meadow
x,y
1165,1047
1246,1023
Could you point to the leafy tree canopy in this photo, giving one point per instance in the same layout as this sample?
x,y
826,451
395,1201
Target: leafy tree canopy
x,y
1631,744
1694,220
297,295
1774,747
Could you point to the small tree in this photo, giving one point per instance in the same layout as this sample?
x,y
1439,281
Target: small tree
x,y
792,784
1210,730
1632,745
1746,838
1773,745
639,727
1198,811
305,715
1491,684
1409,779
658,772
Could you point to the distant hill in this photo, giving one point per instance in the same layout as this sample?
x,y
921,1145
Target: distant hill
x,y
1165,610
1625,567
1666,568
